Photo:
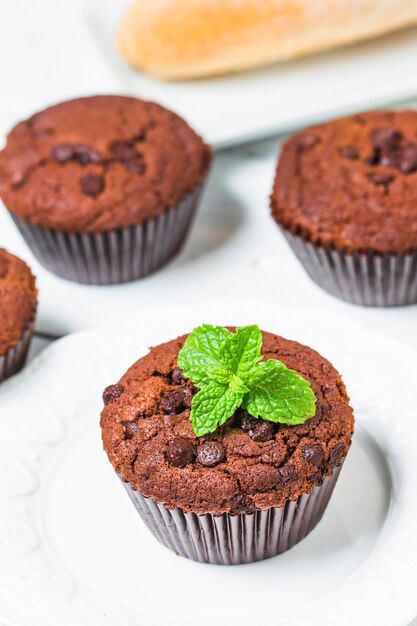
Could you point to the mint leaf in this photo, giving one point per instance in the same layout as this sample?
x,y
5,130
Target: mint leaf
x,y
242,350
200,354
212,406
237,385
228,369
279,394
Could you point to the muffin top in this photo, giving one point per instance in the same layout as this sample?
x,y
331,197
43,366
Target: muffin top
x,y
247,463
100,163
352,183
17,299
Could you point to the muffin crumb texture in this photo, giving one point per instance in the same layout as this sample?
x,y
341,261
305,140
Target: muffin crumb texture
x,y
100,163
352,183
248,463
17,299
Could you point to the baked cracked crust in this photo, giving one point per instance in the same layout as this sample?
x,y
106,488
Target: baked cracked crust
x,y
100,163
351,183
18,298
246,464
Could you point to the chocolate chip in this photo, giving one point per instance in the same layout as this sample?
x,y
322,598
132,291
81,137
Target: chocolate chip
x,y
130,429
211,453
305,142
385,138
125,152
188,397
172,402
336,454
136,165
258,429
262,431
391,158
288,474
349,153
380,178
62,152
85,154
92,184
122,151
408,163
313,453
244,420
242,504
181,452
177,377
112,392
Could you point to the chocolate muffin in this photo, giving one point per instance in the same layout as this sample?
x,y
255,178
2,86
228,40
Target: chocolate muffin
x,y
245,492
18,299
103,188
345,196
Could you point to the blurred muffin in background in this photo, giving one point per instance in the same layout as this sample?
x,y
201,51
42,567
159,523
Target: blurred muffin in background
x,y
103,188
18,301
345,197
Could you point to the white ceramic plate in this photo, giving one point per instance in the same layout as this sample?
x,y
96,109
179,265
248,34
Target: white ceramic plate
x,y
73,551
240,107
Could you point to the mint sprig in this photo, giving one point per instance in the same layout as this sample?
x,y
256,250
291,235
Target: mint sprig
x,y
230,373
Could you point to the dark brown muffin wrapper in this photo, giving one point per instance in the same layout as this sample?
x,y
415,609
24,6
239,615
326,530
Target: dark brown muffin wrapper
x,y
112,256
366,278
14,358
234,539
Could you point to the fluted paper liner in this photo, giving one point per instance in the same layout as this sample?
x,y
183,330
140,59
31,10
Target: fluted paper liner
x,y
14,358
232,539
113,256
366,278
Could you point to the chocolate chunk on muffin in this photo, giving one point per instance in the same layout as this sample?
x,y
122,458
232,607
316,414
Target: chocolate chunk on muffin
x,y
103,188
18,300
248,466
345,196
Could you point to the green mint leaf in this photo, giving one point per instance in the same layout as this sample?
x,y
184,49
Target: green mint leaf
x,y
219,375
229,371
237,385
279,394
224,377
241,351
200,355
212,406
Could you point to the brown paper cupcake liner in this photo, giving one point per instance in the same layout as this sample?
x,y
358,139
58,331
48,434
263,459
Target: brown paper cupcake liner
x,y
233,539
14,358
366,278
113,256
